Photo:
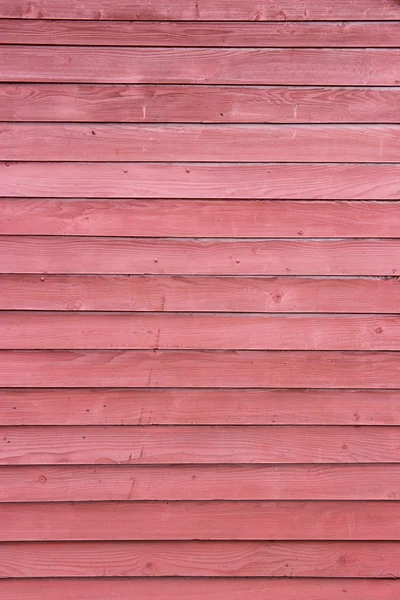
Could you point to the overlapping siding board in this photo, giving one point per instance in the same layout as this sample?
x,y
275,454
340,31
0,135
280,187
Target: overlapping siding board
x,y
199,300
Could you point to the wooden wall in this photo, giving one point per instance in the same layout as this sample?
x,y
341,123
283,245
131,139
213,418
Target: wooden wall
x,y
199,294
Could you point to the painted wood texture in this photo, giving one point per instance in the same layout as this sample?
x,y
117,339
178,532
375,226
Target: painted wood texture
x,y
46,254
205,294
200,218
200,521
198,407
287,66
202,369
43,483
105,331
199,445
339,181
210,559
199,307
204,589
183,10
223,143
197,104
206,34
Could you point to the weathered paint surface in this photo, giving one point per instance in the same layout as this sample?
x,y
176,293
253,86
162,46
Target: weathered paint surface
x,y
199,300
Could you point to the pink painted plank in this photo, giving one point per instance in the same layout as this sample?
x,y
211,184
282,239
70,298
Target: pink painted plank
x,y
207,294
199,218
130,521
201,180
205,559
201,407
206,34
35,254
198,445
105,331
287,66
224,143
197,104
199,369
200,482
206,10
206,589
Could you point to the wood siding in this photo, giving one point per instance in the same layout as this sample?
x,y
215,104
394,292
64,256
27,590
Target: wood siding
x,y
199,300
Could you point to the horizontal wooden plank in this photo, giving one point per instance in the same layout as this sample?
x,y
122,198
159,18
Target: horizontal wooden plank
x,y
204,589
217,559
206,34
198,445
201,180
197,104
130,521
224,143
44,255
202,521
198,407
201,482
199,369
200,218
287,66
105,331
207,294
207,10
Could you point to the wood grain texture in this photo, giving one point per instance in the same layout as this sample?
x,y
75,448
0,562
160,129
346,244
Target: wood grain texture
x,y
200,218
216,559
199,445
206,34
206,10
199,167
197,104
58,255
220,143
204,589
201,180
198,407
203,294
287,66
105,331
318,521
200,482
199,369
